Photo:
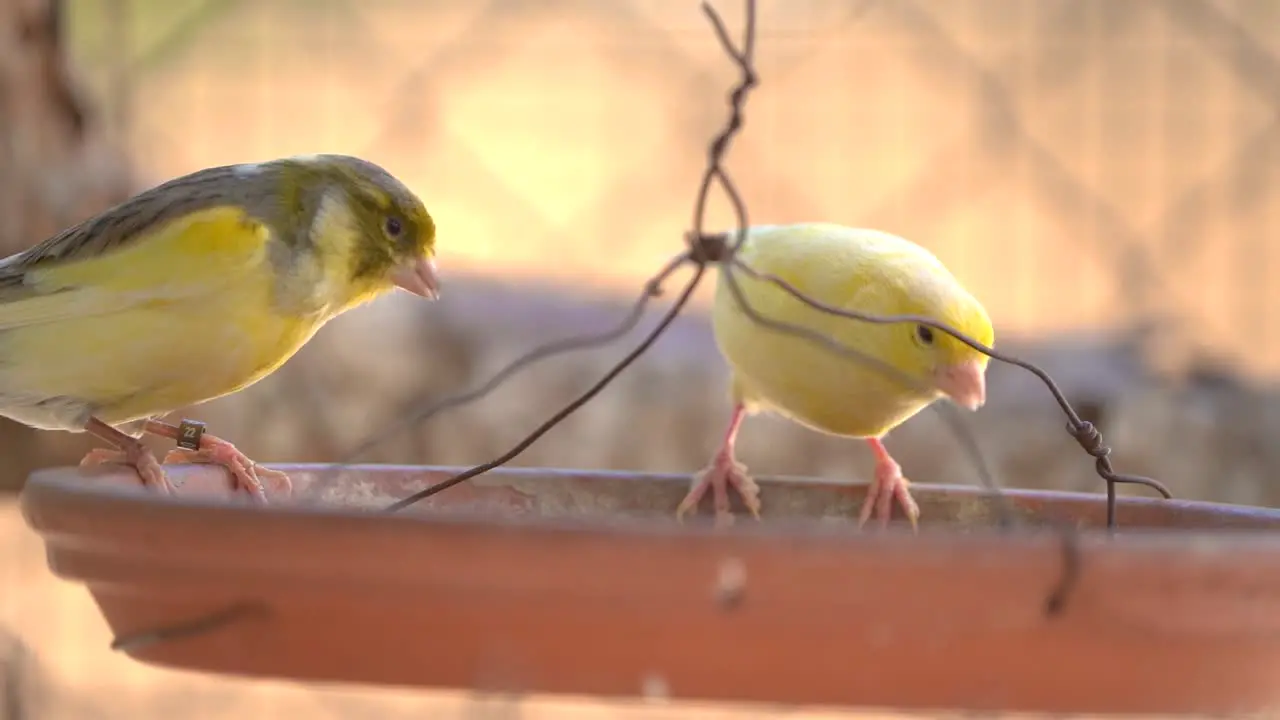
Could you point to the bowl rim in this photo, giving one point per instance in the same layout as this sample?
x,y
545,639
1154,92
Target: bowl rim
x,y
118,489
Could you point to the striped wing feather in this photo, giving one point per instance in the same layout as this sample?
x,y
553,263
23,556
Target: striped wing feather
x,y
78,274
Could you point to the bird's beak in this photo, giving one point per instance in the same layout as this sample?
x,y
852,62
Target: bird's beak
x,y
419,277
964,383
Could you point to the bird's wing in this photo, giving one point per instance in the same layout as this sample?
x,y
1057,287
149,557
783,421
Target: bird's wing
x,y
79,274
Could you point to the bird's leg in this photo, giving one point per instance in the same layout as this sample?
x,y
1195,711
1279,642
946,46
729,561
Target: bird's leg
x,y
129,452
724,471
216,451
889,484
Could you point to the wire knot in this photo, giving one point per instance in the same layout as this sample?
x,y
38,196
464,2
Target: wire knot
x,y
1089,438
704,248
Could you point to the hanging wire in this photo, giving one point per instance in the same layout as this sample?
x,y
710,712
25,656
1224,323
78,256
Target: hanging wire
x,y
712,248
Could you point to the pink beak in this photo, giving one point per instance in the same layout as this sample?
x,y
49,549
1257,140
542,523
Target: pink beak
x,y
418,277
965,383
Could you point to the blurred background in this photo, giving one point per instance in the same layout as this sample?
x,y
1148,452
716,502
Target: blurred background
x,y
1104,175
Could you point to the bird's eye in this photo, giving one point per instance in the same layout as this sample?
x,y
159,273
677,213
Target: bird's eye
x,y
925,333
393,226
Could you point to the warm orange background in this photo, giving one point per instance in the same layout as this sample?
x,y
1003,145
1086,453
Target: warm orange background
x,y
1077,163
1085,166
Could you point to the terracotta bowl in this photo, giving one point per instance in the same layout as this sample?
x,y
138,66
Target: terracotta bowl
x,y
582,582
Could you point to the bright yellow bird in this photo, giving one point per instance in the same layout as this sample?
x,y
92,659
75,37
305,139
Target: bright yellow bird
x,y
195,289
852,269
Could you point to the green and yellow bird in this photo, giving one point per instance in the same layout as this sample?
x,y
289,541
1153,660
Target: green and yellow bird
x,y
195,289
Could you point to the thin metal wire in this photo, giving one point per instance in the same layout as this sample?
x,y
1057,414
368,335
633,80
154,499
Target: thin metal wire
x,y
567,410
704,248
652,289
695,255
1082,430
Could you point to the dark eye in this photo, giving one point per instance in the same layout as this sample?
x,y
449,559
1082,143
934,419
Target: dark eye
x,y
393,226
925,333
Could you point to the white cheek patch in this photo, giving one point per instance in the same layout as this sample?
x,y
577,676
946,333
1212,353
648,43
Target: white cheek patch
x,y
333,215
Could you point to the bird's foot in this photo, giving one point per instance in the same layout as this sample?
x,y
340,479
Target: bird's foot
x,y
724,472
246,473
889,485
139,458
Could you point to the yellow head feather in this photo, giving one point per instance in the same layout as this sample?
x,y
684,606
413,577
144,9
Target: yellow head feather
x,y
933,293
860,270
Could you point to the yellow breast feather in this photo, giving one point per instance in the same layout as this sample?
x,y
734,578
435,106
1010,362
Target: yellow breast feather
x,y
187,257
898,368
847,268
175,317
